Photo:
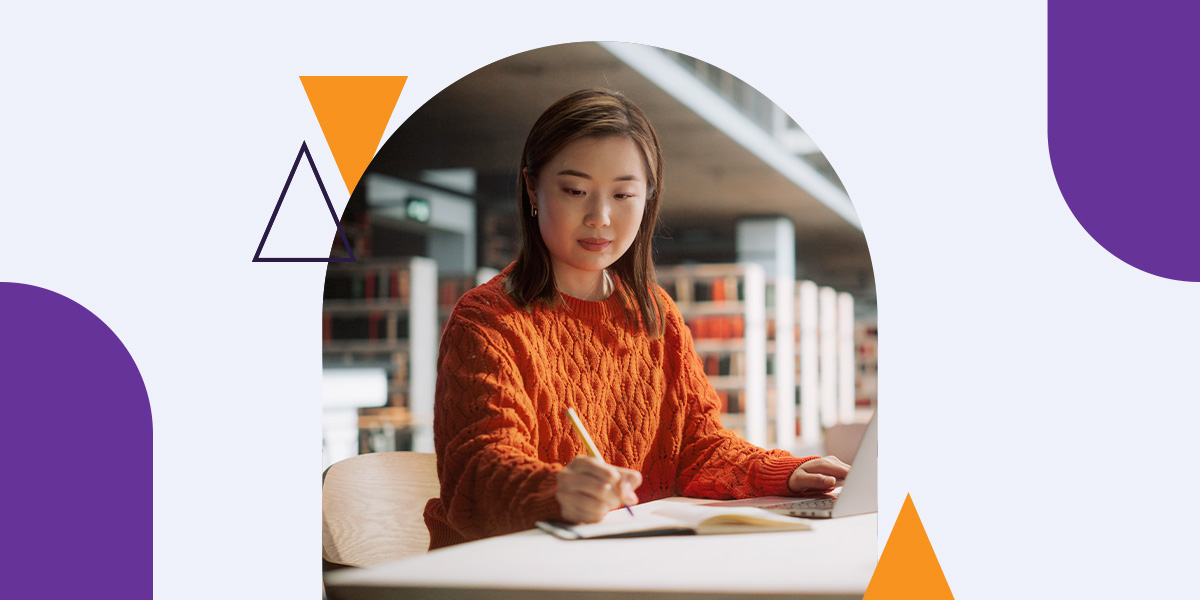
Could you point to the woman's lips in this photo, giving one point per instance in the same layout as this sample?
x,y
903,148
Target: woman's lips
x,y
594,244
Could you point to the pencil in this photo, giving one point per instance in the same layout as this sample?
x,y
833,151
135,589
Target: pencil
x,y
592,451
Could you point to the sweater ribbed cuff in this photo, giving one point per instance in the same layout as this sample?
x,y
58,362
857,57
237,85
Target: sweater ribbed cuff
x,y
774,471
442,536
544,504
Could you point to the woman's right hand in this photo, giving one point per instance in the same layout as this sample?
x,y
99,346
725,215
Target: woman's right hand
x,y
588,489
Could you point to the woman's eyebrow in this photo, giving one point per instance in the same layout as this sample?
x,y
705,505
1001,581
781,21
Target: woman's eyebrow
x,y
583,175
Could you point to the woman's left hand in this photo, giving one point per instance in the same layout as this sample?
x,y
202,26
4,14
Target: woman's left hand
x,y
818,474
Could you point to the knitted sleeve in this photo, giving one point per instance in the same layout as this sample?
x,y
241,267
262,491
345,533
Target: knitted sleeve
x,y
491,479
713,461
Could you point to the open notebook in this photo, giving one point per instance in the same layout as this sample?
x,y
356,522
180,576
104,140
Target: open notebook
x,y
671,518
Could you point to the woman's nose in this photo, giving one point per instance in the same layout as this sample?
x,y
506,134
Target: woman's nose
x,y
597,214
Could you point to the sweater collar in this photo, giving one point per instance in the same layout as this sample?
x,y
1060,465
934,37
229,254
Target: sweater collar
x,y
600,310
607,309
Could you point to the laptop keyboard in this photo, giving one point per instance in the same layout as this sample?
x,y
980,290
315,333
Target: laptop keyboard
x,y
806,504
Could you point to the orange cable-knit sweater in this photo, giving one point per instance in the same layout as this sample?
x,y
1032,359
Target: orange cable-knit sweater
x,y
505,378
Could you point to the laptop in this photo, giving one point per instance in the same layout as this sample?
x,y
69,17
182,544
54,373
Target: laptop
x,y
857,494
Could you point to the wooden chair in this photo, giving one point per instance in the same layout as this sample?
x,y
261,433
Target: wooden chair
x,y
372,507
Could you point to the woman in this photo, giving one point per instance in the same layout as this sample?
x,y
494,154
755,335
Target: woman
x,y
579,321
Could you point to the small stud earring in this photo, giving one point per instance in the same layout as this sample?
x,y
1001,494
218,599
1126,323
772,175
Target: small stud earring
x,y
533,211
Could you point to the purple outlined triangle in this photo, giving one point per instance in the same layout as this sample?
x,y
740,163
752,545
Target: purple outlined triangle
x,y
337,223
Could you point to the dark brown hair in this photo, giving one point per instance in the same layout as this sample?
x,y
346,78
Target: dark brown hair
x,y
584,114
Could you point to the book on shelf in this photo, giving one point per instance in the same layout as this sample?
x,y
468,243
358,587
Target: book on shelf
x,y
674,518
369,280
374,321
371,326
721,327
682,291
718,364
399,366
866,340
737,364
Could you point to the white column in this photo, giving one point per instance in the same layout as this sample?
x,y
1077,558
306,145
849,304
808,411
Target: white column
x,y
484,275
422,349
785,350
827,315
810,423
756,356
845,349
771,243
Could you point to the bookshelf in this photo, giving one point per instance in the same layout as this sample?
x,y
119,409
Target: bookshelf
x,y
381,313
724,305
827,361
731,312
866,345
451,288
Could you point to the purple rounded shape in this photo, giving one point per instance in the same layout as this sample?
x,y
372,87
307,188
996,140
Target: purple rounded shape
x,y
78,438
1124,127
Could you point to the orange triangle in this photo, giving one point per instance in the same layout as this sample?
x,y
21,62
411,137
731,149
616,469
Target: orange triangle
x,y
353,113
908,568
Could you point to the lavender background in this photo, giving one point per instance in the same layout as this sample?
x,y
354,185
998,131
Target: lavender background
x,y
923,106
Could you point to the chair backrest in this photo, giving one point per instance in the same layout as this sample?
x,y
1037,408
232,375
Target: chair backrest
x,y
372,505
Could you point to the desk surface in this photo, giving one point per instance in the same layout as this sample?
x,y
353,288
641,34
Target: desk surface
x,y
834,560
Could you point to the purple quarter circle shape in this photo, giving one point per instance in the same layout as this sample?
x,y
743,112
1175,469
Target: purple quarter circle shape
x,y
78,444
304,153
1124,127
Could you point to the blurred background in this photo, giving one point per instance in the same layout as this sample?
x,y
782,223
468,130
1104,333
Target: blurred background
x,y
758,238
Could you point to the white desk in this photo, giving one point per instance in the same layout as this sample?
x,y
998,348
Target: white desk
x,y
834,560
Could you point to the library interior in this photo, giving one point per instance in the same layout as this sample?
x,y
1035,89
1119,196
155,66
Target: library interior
x,y
758,245
756,237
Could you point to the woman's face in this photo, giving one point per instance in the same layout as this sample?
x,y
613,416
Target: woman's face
x,y
590,198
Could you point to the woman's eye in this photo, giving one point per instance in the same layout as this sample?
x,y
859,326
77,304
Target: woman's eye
x,y
573,192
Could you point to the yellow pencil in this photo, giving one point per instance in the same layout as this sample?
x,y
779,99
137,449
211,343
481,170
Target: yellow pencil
x,y
592,450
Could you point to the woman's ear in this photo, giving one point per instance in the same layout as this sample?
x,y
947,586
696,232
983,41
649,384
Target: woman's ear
x,y
529,187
